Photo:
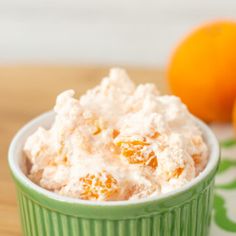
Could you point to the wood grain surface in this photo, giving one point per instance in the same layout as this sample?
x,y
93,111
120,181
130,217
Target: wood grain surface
x,y
27,91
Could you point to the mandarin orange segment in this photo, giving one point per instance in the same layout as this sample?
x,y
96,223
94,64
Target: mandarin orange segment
x,y
177,172
98,186
154,134
115,133
138,151
152,162
97,131
196,159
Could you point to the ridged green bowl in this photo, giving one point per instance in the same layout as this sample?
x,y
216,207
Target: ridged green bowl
x,y
183,212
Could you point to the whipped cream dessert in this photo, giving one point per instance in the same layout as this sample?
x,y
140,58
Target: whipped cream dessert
x,y
119,141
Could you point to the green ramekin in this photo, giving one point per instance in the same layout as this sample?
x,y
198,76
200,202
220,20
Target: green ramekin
x,y
183,212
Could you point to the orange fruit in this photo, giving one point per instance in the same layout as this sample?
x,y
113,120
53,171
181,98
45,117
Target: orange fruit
x,y
202,71
234,116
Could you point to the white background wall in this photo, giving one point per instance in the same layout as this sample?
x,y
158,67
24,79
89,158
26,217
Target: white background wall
x,y
135,32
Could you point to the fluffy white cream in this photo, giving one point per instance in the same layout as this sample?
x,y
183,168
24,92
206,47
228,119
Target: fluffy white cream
x,y
117,142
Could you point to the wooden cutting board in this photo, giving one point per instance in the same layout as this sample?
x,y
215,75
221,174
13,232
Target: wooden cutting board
x,y
27,91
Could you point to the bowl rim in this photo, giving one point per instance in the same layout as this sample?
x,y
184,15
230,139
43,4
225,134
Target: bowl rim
x,y
32,125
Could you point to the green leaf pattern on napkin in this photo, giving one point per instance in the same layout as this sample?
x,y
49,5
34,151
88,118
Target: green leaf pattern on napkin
x,y
221,216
